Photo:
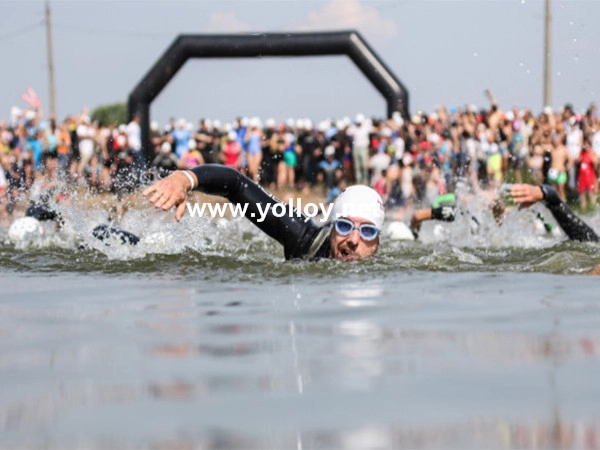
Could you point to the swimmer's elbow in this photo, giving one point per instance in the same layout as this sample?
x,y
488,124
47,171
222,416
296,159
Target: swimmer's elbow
x,y
595,270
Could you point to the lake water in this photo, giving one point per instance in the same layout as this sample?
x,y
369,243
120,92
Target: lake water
x,y
204,337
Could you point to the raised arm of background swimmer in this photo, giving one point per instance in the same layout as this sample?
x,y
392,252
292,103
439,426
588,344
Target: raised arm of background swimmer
x,y
575,228
294,231
443,208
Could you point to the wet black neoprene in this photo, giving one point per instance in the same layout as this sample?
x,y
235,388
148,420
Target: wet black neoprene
x,y
300,236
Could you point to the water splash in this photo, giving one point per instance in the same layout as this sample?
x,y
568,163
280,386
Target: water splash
x,y
235,249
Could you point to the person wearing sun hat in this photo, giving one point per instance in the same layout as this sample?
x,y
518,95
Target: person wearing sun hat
x,y
351,233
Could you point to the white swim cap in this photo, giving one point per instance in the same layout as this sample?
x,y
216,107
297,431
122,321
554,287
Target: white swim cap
x,y
359,201
399,231
25,228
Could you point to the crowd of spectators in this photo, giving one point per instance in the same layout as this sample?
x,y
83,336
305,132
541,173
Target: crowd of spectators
x,y
408,161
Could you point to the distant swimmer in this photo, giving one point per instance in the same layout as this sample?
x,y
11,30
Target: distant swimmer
x,y
42,215
352,232
442,209
574,227
44,206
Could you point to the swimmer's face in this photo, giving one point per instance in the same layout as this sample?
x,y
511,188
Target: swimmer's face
x,y
352,247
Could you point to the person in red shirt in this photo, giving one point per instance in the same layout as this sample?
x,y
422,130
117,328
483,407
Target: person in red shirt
x,y
587,183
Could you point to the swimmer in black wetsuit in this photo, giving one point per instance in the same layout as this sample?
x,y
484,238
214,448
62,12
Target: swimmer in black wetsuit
x,y
576,229
443,209
353,235
43,210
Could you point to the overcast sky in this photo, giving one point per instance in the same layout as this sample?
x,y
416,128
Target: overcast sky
x,y
445,52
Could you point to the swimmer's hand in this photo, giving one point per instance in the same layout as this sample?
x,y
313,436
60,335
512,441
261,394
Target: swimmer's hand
x,y
171,191
526,194
446,213
444,208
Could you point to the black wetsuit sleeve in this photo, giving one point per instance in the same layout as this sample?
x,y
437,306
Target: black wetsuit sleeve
x,y
294,230
42,212
575,228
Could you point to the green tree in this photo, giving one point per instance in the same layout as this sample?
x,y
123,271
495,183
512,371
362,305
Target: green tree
x,y
115,113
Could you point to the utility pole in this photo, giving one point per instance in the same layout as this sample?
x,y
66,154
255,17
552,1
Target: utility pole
x,y
547,56
50,61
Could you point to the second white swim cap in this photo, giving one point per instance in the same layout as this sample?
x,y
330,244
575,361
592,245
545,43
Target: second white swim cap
x,y
361,202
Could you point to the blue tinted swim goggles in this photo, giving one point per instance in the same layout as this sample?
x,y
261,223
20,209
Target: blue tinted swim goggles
x,y
344,227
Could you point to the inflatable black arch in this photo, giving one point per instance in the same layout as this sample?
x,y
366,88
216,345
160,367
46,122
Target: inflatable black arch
x,y
348,43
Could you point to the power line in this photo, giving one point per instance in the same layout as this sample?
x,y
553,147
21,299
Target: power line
x,y
108,32
21,31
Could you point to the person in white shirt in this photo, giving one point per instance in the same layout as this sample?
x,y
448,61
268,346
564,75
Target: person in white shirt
x,y
360,148
86,134
134,142
574,142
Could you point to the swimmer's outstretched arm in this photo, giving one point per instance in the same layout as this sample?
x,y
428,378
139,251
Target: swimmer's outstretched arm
x,y
292,229
171,192
575,228
445,213
443,208
418,217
